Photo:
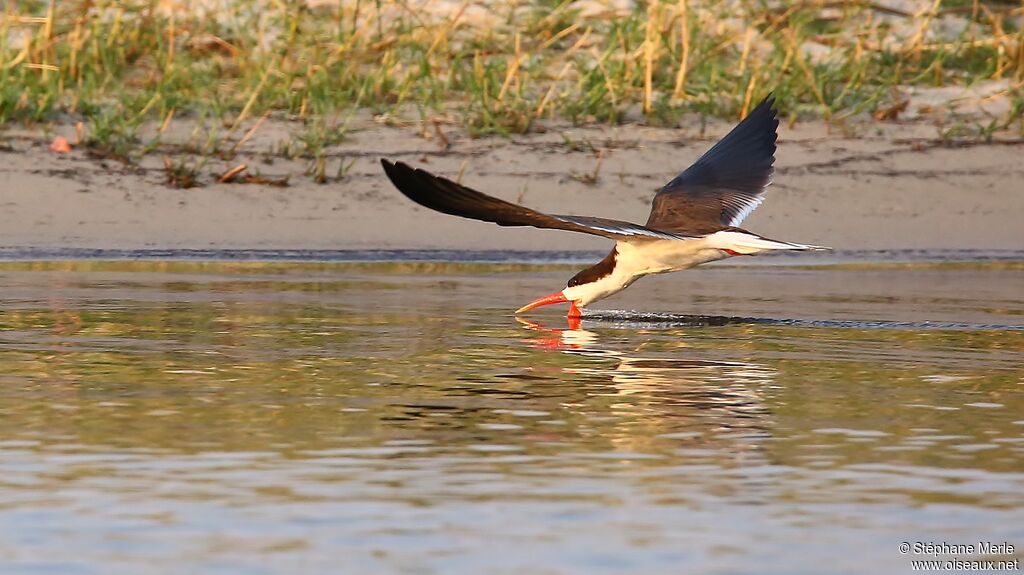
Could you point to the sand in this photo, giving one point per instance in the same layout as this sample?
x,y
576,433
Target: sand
x,y
891,187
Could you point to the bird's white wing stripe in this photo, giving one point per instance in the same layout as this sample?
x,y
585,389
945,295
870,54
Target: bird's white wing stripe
x,y
625,230
748,206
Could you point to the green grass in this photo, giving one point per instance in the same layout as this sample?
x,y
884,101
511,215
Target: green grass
x,y
119,66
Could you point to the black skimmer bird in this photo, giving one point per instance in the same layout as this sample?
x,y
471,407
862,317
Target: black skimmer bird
x,y
693,219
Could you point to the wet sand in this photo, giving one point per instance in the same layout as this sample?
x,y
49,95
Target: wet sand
x,y
890,187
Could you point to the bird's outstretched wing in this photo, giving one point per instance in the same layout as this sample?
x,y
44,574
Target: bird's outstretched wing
x,y
725,184
446,196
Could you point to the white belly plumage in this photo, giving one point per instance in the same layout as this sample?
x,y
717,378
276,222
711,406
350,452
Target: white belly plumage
x,y
637,259
665,255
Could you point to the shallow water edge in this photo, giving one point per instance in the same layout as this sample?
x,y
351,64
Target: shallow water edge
x,y
259,417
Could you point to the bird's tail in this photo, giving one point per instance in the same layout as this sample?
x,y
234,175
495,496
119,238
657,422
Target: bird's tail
x,y
744,243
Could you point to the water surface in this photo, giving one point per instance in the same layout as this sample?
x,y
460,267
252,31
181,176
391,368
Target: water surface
x,y
188,417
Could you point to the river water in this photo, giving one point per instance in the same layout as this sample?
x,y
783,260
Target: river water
x,y
291,417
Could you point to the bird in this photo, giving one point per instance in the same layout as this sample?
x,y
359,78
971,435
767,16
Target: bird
x,y
694,218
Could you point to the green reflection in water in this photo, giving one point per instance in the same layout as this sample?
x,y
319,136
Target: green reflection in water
x,y
413,387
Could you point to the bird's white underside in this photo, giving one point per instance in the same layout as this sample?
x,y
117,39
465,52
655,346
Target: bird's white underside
x,y
637,259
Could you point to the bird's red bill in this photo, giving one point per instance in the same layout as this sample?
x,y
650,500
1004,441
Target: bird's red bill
x,y
556,297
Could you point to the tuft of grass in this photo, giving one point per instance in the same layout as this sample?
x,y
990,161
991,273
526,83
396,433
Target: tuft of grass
x,y
112,135
180,174
593,176
498,67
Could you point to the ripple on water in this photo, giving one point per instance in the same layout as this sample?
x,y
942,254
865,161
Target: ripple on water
x,y
256,417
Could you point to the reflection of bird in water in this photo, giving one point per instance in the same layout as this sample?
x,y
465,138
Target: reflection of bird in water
x,y
680,397
693,218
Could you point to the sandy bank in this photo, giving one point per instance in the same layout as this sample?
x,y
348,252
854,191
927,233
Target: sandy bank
x,y
899,189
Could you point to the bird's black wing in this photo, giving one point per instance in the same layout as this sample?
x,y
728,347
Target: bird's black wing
x,y
445,196
726,183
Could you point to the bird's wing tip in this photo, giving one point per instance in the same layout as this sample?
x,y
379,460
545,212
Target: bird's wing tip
x,y
396,169
395,164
